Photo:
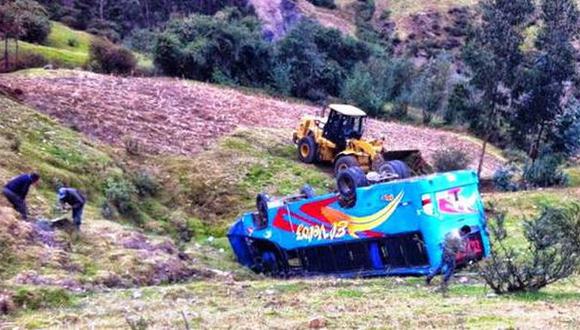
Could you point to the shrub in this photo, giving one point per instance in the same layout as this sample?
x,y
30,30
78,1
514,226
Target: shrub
x,y
119,193
545,172
37,27
446,160
107,211
140,41
104,29
25,61
320,59
107,57
145,184
72,42
504,178
552,252
282,79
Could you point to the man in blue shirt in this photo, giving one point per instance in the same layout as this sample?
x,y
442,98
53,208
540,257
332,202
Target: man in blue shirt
x,y
17,189
76,201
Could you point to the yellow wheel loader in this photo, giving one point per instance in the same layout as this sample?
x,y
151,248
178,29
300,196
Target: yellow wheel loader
x,y
338,139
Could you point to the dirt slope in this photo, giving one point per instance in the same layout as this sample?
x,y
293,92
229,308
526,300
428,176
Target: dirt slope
x,y
182,117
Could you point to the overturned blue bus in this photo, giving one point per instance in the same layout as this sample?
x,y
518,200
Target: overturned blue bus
x,y
364,229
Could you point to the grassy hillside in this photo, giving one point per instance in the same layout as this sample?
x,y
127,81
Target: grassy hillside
x,y
326,302
65,47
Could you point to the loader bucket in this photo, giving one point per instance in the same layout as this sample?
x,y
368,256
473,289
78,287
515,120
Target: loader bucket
x,y
412,158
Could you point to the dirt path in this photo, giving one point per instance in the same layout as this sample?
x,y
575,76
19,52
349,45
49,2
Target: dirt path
x,y
182,117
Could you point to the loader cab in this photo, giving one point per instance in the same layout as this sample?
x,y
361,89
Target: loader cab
x,y
344,122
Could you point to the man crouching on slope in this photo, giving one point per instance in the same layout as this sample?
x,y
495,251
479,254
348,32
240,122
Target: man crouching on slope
x,y
16,190
73,198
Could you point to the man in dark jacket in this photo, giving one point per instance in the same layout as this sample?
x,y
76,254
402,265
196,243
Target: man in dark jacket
x,y
76,201
17,189
453,244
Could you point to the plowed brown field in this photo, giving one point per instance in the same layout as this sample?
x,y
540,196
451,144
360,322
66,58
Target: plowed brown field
x,y
182,117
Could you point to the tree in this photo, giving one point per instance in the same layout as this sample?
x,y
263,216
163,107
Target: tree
x,y
224,47
320,59
430,89
6,26
552,66
19,18
493,55
361,90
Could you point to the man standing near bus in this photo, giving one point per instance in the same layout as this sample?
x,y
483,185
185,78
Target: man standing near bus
x,y
453,244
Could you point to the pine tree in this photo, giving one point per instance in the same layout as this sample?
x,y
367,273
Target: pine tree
x,y
552,66
494,55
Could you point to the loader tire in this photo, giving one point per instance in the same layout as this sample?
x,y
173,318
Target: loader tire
x,y
347,181
395,167
344,163
307,150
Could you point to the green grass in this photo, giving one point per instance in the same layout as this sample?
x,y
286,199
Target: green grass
x,y
67,48
61,57
341,304
65,38
223,181
64,47
32,141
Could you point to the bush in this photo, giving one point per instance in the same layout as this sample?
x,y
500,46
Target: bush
x,y
107,57
140,41
552,252
145,184
504,178
72,42
450,160
25,61
104,29
545,172
37,27
119,193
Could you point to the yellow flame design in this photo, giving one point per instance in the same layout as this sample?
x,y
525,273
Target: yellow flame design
x,y
357,224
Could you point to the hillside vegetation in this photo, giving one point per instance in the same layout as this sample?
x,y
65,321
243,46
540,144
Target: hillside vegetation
x,y
157,113
334,303
64,48
168,164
